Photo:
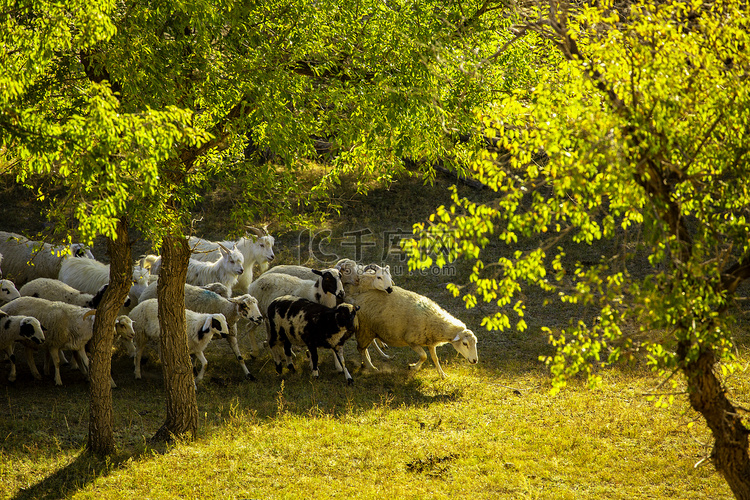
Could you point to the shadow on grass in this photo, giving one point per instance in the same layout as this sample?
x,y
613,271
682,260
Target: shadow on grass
x,y
67,480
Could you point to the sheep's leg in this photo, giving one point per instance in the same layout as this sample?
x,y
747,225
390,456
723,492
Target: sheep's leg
x,y
235,345
314,361
336,362
377,343
422,357
338,353
364,355
204,362
137,359
55,355
32,364
433,354
84,359
289,357
12,359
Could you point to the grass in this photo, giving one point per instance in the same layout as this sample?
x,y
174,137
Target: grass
x,y
488,431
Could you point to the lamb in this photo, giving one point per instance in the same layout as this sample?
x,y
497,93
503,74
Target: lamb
x,y
404,318
226,270
67,327
256,249
18,328
52,289
201,328
8,291
299,321
89,276
201,300
25,259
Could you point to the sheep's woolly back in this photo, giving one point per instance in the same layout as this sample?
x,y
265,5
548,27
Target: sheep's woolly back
x,y
52,289
85,275
66,324
404,318
25,259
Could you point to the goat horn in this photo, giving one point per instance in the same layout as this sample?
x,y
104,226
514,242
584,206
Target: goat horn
x,y
222,246
257,231
91,312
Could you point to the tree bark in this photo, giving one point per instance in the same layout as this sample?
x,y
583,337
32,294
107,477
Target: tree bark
x,y
179,383
101,439
707,396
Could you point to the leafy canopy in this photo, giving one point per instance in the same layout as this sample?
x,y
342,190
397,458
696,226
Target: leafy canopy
x,y
638,137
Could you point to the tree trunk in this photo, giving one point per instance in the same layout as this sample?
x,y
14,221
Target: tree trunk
x,y
101,439
179,383
707,396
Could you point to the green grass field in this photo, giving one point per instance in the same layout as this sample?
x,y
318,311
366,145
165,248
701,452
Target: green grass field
x,y
488,431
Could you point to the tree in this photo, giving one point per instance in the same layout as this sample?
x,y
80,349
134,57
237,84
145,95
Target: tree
x,y
128,108
638,136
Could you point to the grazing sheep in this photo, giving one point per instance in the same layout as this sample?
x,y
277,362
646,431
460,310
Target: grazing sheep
x,y
256,249
302,322
8,291
226,270
25,259
52,289
18,328
89,276
67,326
404,318
202,300
201,328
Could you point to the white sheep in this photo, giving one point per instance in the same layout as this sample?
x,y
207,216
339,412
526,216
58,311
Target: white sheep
x,y
234,309
227,270
404,318
18,328
53,289
89,276
201,328
8,291
25,259
67,327
256,248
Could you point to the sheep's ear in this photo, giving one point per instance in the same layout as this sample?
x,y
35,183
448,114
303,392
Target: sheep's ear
x,y
458,337
3,314
207,324
319,273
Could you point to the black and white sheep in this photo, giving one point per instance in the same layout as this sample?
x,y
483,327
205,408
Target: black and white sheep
x,y
25,259
18,328
234,309
326,289
201,328
298,321
8,291
67,327
406,319
53,289
257,248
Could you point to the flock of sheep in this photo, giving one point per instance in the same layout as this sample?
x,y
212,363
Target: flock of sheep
x,y
50,302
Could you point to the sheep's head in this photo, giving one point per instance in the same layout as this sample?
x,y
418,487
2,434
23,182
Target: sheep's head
x,y
262,242
465,343
329,281
348,270
346,315
233,259
124,327
380,277
215,324
8,291
248,306
31,329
